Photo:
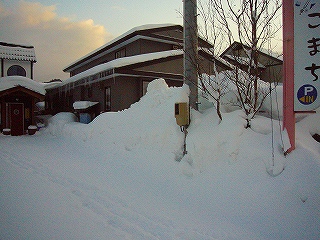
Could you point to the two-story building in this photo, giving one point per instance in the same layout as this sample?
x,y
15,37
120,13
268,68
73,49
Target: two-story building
x,y
116,75
270,67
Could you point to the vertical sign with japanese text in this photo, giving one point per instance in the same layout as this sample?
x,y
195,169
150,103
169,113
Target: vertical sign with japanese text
x,y
306,55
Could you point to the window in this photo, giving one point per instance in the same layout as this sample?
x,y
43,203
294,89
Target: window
x,y
89,91
16,70
121,53
82,92
69,99
107,99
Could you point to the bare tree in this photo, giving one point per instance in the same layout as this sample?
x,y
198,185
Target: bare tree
x,y
215,32
253,23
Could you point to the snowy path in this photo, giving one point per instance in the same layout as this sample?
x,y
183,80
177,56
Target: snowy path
x,y
38,191
115,215
70,187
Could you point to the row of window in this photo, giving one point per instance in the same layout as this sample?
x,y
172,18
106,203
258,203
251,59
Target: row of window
x,y
86,92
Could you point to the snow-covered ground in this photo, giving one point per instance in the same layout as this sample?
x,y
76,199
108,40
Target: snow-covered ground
x,y
123,176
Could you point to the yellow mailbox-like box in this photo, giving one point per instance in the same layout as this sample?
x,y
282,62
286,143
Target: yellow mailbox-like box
x,y
181,113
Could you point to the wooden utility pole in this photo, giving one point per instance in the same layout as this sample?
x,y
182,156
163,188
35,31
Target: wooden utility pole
x,y
190,36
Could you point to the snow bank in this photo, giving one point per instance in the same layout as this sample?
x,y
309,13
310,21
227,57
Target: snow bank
x,y
307,127
57,123
148,124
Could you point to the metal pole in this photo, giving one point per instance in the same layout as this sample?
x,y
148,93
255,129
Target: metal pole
x,y
190,36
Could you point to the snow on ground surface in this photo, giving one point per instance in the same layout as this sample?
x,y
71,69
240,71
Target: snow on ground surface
x,y
123,176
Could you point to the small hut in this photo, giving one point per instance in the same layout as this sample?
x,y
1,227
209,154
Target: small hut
x,y
18,98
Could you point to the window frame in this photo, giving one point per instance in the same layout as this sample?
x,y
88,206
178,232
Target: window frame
x,y
107,99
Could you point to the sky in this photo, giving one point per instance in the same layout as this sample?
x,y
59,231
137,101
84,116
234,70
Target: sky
x,y
63,31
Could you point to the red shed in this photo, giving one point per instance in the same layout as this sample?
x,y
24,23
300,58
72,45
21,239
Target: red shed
x,y
18,96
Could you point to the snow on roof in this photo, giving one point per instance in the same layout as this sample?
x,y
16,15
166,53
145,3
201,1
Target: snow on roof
x,y
17,52
276,55
243,60
139,28
120,62
15,81
218,58
83,104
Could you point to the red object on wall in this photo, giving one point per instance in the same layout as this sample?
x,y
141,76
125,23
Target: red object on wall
x,y
288,71
17,118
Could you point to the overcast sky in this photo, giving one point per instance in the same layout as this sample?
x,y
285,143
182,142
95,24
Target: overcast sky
x,y
64,30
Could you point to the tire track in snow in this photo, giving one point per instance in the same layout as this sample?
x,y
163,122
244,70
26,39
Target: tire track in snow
x,y
113,210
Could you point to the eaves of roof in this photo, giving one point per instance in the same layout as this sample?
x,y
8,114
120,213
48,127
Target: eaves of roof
x,y
24,89
113,48
120,62
10,82
237,45
18,52
115,43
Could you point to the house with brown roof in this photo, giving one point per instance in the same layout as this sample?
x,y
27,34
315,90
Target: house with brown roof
x,y
270,67
18,92
116,75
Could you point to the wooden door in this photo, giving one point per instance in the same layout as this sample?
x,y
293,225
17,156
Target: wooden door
x,y
16,111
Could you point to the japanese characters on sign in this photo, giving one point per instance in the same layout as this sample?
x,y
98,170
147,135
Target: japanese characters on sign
x,y
306,55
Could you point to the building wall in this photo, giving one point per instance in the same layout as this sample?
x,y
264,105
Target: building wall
x,y
273,67
206,66
175,33
174,66
140,46
273,73
125,90
148,46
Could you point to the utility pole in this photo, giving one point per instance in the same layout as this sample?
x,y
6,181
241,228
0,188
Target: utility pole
x,y
190,63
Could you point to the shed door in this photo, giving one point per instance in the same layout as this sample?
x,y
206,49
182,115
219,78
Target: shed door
x,y
16,118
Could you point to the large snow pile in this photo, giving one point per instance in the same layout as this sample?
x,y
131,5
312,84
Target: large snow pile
x,y
147,124
123,176
58,122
